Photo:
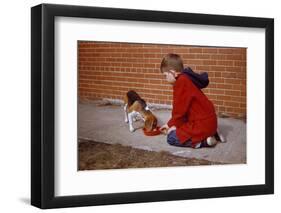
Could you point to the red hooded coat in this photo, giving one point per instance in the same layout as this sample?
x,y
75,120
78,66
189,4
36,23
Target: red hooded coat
x,y
193,113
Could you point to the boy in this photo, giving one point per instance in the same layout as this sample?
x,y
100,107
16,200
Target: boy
x,y
194,121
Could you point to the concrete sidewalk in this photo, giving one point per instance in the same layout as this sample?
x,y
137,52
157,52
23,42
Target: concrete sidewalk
x,y
105,123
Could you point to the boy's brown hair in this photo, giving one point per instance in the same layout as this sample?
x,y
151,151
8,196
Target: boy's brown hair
x,y
171,62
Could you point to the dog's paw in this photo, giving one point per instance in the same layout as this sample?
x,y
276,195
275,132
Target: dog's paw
x,y
132,129
126,121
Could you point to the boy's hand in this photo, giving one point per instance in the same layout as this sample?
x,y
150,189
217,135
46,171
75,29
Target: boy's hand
x,y
171,129
164,129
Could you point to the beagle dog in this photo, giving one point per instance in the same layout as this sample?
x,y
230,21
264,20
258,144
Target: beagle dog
x,y
135,106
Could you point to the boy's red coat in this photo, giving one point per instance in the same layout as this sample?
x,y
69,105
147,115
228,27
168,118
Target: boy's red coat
x,y
193,113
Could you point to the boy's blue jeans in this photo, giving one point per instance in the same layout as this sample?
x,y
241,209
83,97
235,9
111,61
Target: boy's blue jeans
x,y
173,140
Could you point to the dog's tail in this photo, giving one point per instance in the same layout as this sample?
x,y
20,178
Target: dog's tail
x,y
133,96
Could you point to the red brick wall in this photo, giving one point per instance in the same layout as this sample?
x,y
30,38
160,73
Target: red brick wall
x,y
109,70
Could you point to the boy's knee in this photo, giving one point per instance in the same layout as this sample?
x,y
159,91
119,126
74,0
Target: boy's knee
x,y
171,138
171,141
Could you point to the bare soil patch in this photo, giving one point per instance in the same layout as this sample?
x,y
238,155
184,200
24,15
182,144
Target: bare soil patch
x,y
95,156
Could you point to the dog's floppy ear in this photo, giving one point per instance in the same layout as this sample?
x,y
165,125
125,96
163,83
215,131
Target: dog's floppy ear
x,y
150,123
154,123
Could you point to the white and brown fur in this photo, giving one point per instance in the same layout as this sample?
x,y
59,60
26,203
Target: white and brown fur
x,y
135,106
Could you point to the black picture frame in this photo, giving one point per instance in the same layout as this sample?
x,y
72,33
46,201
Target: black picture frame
x,y
43,105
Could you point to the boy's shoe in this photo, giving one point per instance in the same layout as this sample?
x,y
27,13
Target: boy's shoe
x,y
199,145
219,137
223,139
211,141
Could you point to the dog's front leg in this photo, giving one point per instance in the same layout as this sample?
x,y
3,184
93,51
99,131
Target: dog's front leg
x,y
131,115
126,113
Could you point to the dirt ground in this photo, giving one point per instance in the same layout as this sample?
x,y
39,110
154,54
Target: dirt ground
x,y
96,156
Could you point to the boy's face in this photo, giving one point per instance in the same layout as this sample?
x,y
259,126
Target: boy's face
x,y
170,76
